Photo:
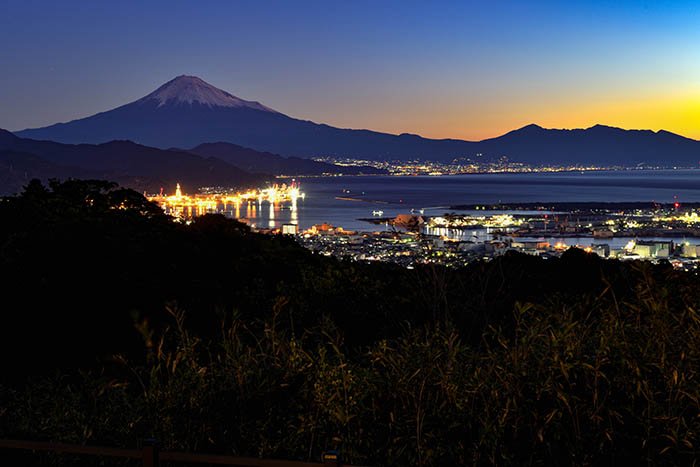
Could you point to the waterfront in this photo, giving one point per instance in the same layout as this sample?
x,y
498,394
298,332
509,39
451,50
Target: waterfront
x,y
627,214
434,195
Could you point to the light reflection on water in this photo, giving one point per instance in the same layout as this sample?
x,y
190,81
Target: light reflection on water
x,y
268,215
343,201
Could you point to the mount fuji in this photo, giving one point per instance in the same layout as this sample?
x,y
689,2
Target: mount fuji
x,y
191,90
187,112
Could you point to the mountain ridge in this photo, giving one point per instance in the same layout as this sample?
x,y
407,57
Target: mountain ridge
x,y
188,118
254,161
131,164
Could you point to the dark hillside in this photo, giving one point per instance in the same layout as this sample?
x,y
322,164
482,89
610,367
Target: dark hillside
x,y
136,166
120,324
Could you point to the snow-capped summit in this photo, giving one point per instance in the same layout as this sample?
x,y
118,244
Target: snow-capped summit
x,y
191,89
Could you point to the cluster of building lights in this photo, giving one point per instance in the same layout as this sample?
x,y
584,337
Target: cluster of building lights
x,y
458,166
185,206
494,221
688,218
456,239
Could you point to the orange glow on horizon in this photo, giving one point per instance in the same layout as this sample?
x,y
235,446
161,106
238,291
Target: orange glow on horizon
x,y
676,111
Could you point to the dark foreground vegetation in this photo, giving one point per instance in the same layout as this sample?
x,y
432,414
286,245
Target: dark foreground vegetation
x,y
118,324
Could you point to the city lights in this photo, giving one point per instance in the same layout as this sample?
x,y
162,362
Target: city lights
x,y
184,206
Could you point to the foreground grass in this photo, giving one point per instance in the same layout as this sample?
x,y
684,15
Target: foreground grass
x,y
262,349
597,381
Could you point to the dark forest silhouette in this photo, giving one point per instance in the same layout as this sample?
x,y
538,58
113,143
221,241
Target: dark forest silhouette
x,y
119,324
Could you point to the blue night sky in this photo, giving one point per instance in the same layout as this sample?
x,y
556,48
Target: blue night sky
x,y
441,69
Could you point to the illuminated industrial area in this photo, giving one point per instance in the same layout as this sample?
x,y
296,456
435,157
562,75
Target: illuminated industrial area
x,y
457,240
479,232
238,205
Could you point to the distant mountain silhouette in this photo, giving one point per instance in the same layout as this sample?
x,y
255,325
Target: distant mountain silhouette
x,y
187,111
264,162
131,164
18,168
600,144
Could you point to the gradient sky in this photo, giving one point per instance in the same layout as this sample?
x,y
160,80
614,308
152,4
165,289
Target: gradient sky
x,y
462,69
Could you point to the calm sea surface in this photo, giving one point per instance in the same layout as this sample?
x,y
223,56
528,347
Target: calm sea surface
x,y
342,201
